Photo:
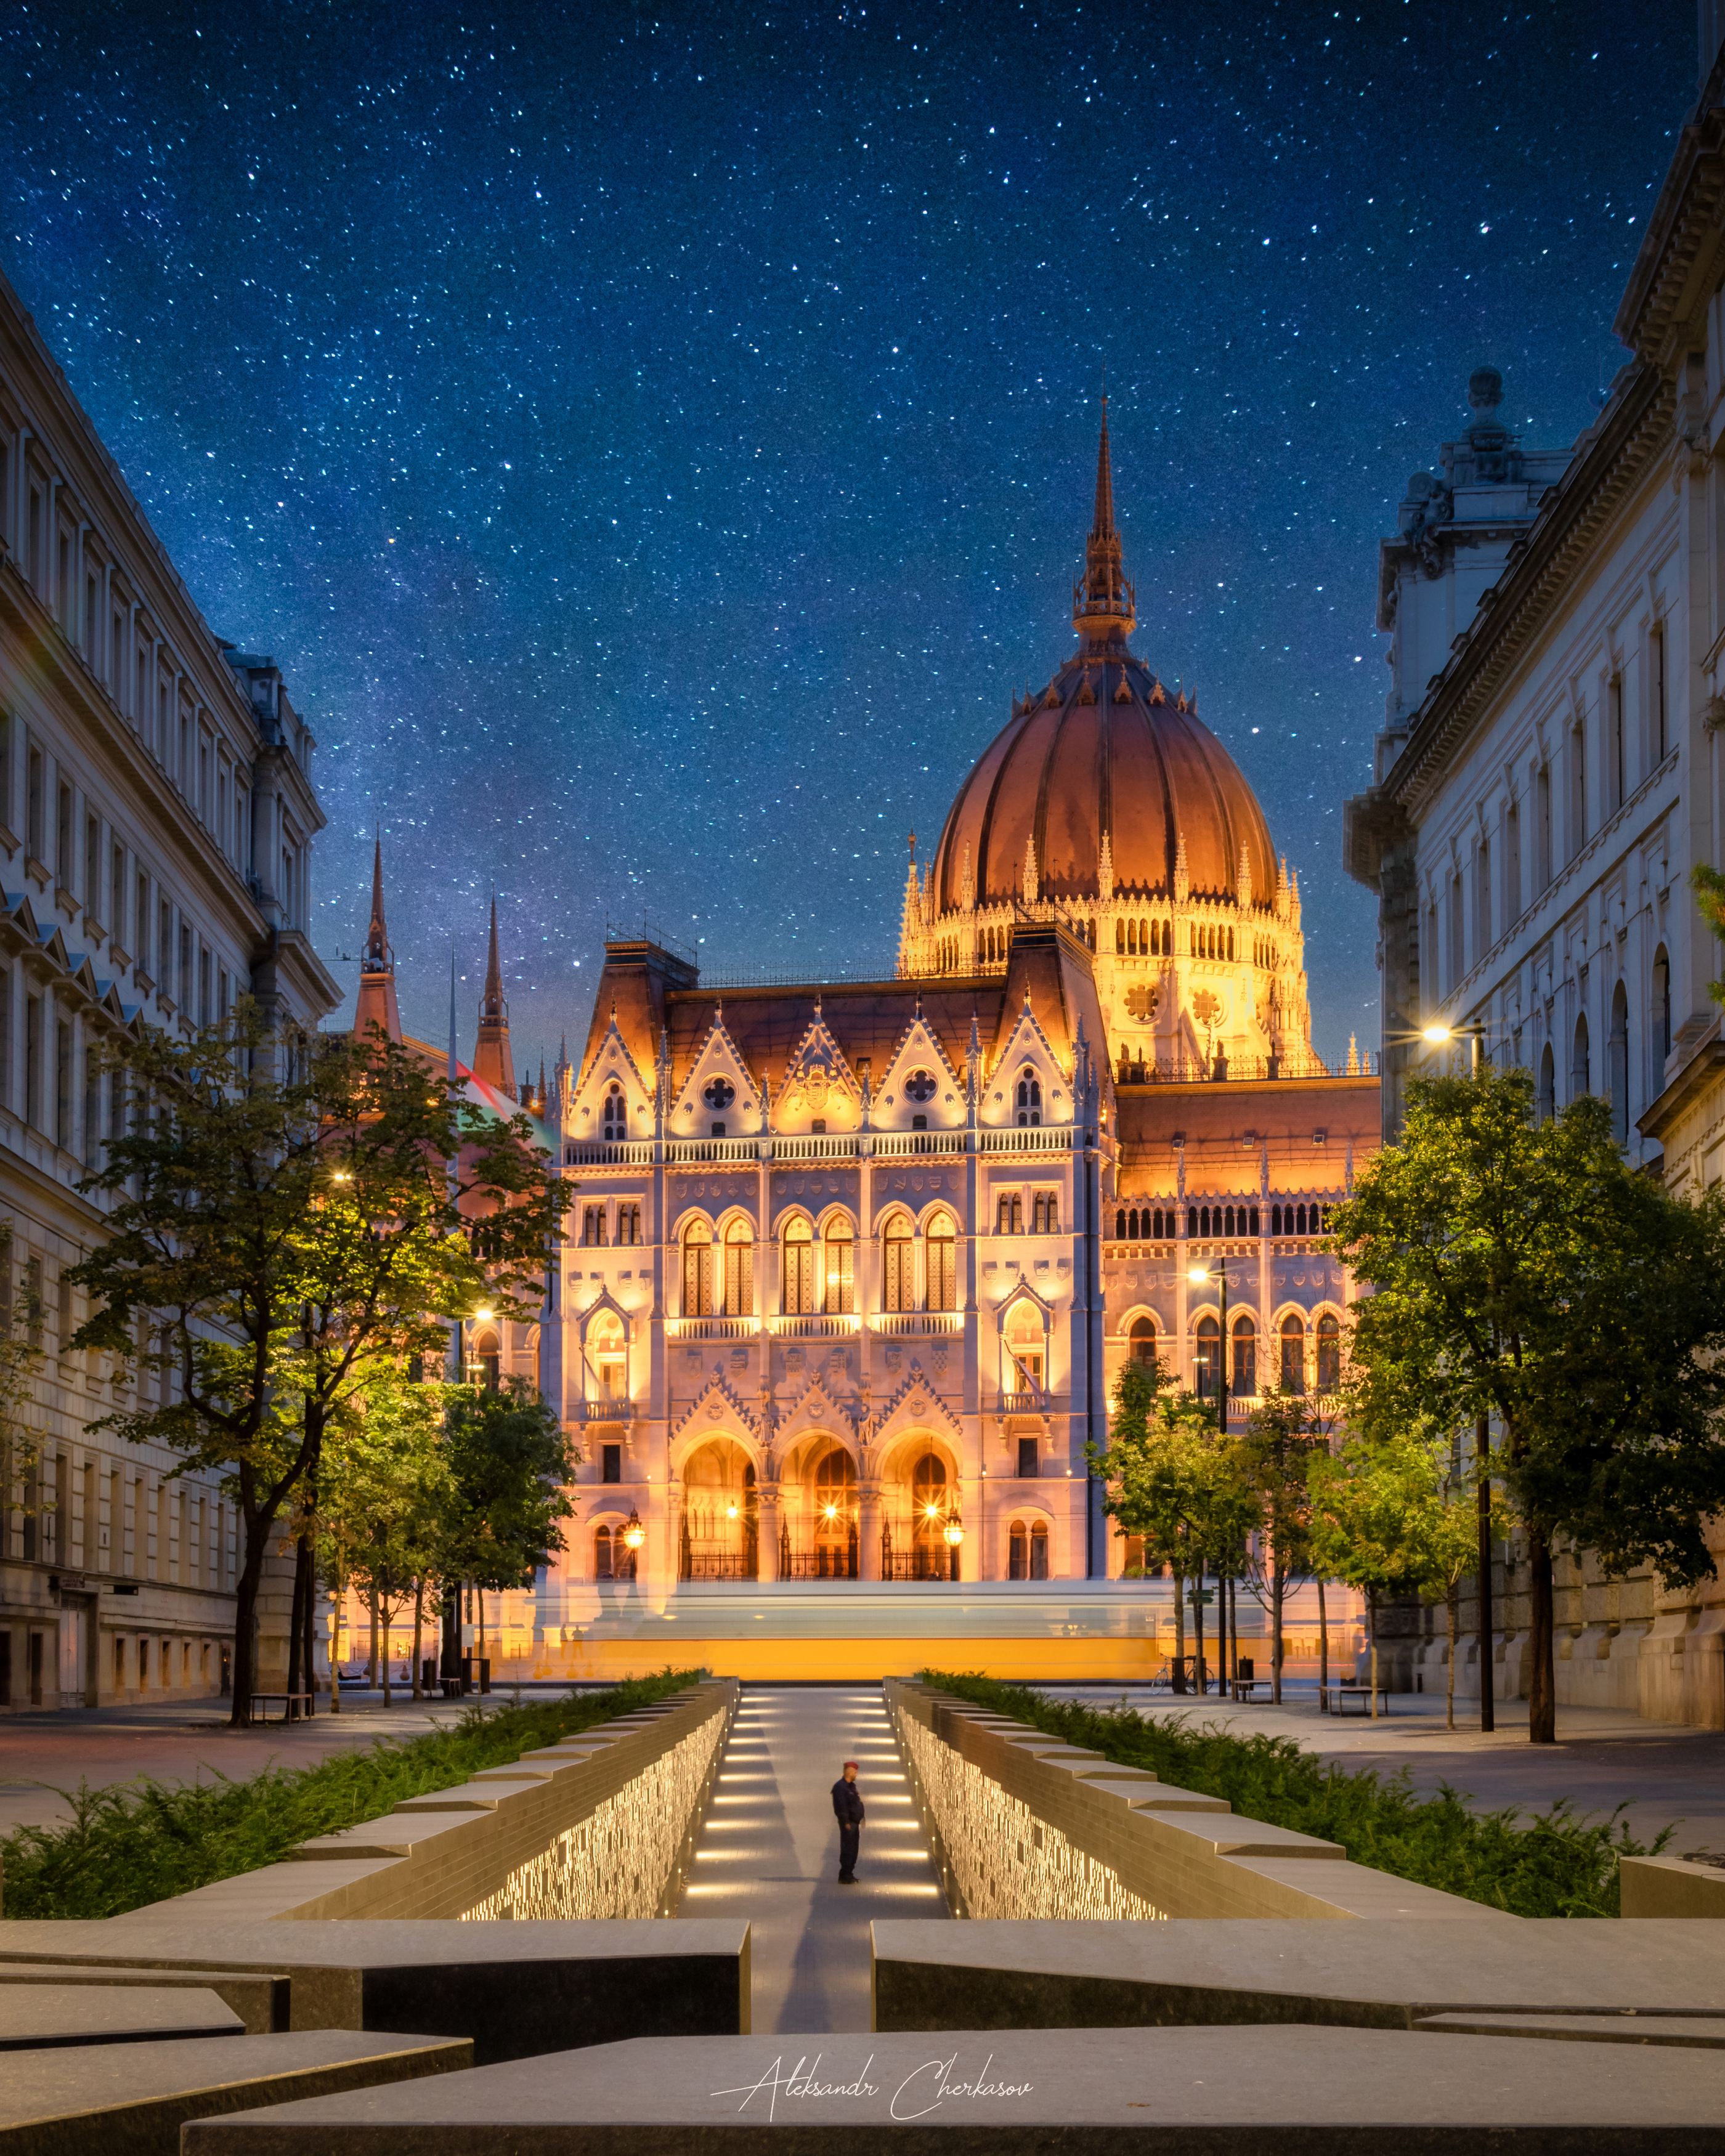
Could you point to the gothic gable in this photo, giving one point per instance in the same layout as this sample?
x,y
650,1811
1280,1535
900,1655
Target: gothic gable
x,y
819,1085
719,1087
611,1064
919,1081
1028,1084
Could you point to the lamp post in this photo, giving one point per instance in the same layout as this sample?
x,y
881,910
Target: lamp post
x,y
1198,1275
1438,1034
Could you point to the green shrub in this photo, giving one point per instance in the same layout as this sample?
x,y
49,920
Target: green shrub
x,y
142,1841
1553,1863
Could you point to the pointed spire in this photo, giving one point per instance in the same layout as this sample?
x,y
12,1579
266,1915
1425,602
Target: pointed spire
x,y
967,883
1033,888
1104,867
376,1004
1243,877
492,1058
1183,880
1103,606
910,934
1353,1056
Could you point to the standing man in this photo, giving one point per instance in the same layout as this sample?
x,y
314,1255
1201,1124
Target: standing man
x,y
848,1810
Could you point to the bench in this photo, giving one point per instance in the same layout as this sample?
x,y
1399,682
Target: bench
x,y
289,1701
1247,1688
1362,1693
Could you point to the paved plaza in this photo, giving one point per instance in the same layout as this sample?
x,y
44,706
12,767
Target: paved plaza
x,y
1669,1774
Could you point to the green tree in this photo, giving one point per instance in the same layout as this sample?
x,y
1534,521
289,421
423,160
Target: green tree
x,y
1274,1450
1523,1276
509,1465
1166,1480
1381,1521
281,1207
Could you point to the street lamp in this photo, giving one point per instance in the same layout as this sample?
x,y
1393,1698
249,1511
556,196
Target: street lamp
x,y
1198,1275
1437,1035
633,1533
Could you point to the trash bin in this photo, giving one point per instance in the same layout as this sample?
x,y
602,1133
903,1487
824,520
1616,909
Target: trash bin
x,y
476,1672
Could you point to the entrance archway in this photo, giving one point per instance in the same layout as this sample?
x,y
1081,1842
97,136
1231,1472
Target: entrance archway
x,y
721,1516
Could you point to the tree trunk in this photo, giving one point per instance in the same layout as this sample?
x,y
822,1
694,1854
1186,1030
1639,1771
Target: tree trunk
x,y
297,1633
1488,1704
381,1609
372,1659
1449,1688
1197,1631
308,1621
1542,1691
1234,1626
1180,1633
338,1596
1372,1634
258,1525
1323,1652
1221,1635
1278,1588
418,1628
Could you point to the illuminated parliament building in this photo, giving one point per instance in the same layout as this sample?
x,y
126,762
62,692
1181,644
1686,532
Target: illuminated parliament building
x,y
850,1267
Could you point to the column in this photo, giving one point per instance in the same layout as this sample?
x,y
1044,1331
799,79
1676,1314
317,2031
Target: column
x,y
766,1533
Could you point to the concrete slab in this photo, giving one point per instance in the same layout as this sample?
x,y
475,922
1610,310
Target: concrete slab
x,y
1175,2092
37,2017
1384,1973
515,1988
260,2000
394,1835
133,2099
467,1796
1671,1886
1152,1796
1689,2032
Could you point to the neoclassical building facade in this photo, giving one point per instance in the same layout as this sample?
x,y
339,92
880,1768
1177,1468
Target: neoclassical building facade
x,y
157,818
1548,776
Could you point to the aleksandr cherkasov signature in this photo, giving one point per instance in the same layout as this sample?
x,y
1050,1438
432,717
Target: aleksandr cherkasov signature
x,y
924,2089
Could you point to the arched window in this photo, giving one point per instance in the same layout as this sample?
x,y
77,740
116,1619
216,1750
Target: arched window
x,y
839,1299
1244,1378
1618,1049
698,1270
1207,1359
900,1287
1329,1353
1029,1100
1018,1551
1230,942
1299,1221
928,1503
1039,1549
609,1357
1141,1341
1132,939
798,1269
1024,1344
1163,1226
1547,1084
1275,1220
739,1270
1228,1224
616,1124
941,1258
835,1516
488,1361
1662,1008
601,1554
1120,1229
1293,1353
1580,1063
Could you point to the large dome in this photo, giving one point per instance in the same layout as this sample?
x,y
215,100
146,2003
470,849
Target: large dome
x,y
1108,806
1104,749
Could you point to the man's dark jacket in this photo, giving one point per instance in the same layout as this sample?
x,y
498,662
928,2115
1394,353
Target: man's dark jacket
x,y
847,1803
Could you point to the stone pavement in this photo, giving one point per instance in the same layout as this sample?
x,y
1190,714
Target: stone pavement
x,y
769,1850
189,1741
1671,1775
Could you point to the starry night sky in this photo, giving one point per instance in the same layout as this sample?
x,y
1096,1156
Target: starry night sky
x,y
656,445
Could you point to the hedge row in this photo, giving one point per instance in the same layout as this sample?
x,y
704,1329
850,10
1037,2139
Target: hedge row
x,y
1555,1863
142,1841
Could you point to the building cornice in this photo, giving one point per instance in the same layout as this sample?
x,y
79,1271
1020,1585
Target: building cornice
x,y
1682,255
1538,578
1697,1075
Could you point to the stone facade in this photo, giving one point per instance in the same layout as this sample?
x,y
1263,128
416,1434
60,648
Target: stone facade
x,y
156,820
1548,775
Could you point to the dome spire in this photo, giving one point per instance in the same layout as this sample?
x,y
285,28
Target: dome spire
x,y
1103,610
